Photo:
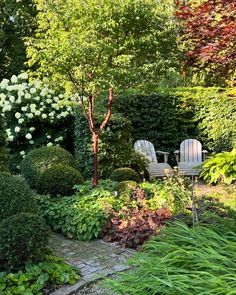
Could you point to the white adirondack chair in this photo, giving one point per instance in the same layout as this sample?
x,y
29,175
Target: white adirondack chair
x,y
190,156
155,169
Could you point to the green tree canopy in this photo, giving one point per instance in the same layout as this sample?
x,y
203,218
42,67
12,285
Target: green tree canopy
x,y
16,22
96,45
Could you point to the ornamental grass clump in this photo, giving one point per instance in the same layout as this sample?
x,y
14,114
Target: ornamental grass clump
x,y
183,260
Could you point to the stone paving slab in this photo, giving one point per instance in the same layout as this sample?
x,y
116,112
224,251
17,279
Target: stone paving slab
x,y
94,260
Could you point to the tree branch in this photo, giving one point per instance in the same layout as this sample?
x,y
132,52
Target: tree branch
x,y
109,111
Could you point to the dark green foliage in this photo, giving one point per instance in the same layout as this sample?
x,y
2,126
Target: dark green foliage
x,y
183,260
220,168
58,180
38,160
161,118
115,146
126,187
50,273
3,151
17,20
123,174
15,196
24,238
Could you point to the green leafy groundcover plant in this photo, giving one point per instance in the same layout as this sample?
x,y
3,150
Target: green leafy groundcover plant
x,y
80,217
48,274
183,260
220,168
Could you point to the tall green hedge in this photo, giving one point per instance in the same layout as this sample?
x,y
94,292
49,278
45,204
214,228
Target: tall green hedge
x,y
215,111
171,115
3,151
161,118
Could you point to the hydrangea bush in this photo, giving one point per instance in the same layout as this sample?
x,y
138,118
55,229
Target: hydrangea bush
x,y
35,116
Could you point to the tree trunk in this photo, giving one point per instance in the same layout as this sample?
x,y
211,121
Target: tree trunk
x,y
95,159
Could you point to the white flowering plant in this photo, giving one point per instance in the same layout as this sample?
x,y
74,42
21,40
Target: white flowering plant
x,y
34,115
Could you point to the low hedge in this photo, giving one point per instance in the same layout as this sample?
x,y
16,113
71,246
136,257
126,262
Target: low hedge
x,y
38,160
58,180
24,238
123,174
15,196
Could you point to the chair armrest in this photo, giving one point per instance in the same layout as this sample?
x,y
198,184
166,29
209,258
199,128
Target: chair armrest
x,y
204,153
166,155
177,152
162,153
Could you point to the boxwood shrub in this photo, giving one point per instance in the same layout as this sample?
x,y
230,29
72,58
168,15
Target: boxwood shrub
x,y
58,180
123,174
15,196
38,160
24,238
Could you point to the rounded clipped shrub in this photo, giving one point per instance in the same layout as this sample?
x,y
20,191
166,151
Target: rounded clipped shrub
x,y
59,180
24,237
15,196
126,187
38,160
123,174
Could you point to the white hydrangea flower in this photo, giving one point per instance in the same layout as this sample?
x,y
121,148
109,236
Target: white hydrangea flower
x,y
17,115
14,79
27,95
20,93
52,114
56,99
24,109
49,100
7,108
9,88
22,153
10,138
44,92
49,136
33,106
61,96
21,120
37,98
49,144
33,90
55,106
8,131
41,103
28,136
30,115
2,96
37,113
32,129
23,76
44,116
17,129
12,99
18,101
31,142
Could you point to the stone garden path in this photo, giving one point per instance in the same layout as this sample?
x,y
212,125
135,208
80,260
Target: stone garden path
x,y
94,259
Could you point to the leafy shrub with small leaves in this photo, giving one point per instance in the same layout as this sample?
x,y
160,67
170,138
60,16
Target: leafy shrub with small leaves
x,y
24,237
15,196
220,168
126,187
38,160
58,180
123,174
35,278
